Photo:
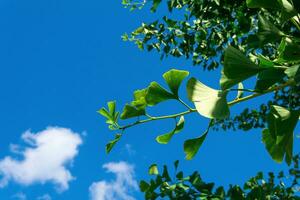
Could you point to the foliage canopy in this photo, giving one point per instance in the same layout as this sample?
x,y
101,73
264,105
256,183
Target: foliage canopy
x,y
249,39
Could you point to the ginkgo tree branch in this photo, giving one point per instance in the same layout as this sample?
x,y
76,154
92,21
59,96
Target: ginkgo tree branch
x,y
193,110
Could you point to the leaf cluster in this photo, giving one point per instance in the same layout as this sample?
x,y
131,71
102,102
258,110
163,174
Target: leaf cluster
x,y
272,62
269,187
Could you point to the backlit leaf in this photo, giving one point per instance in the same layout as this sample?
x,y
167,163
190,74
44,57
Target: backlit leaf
x,y
174,79
209,102
153,170
157,94
130,111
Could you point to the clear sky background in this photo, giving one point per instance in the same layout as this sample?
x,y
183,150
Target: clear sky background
x,y
61,61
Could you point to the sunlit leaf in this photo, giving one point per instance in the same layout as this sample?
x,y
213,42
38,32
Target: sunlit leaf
x,y
157,94
240,92
111,115
130,111
139,99
174,79
153,170
209,102
293,72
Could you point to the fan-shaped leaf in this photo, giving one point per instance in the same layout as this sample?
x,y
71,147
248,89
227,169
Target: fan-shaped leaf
x,y
130,111
174,79
157,94
278,138
209,102
192,146
153,170
237,67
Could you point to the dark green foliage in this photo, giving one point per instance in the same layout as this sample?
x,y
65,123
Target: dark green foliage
x,y
260,187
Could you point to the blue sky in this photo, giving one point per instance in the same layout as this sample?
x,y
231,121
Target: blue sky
x,y
63,60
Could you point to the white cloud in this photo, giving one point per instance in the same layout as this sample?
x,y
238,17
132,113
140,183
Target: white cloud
x,y
44,197
118,189
44,159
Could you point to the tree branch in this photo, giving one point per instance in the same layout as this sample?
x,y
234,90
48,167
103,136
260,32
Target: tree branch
x,y
192,110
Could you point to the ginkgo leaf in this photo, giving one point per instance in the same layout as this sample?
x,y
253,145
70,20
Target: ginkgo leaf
x,y
209,102
237,68
165,138
278,138
112,143
153,170
174,79
192,146
157,94
130,111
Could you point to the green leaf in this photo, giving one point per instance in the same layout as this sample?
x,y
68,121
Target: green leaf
x,y
144,186
209,102
268,77
288,10
112,107
111,115
153,170
267,32
155,5
157,94
293,72
289,50
140,99
176,163
278,138
105,113
264,62
240,92
165,138
174,79
276,151
263,4
192,146
281,122
130,111
112,143
237,68
165,174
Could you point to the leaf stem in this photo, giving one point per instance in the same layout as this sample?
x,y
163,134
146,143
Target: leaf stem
x,y
185,104
272,89
245,90
158,118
